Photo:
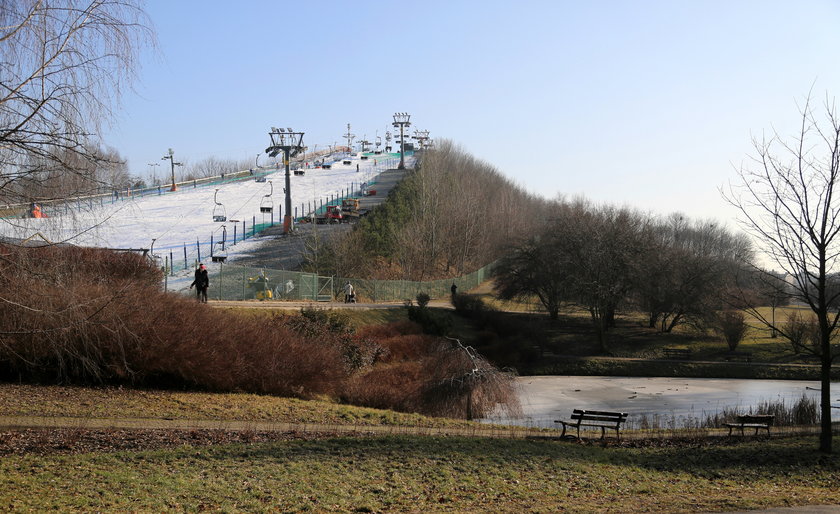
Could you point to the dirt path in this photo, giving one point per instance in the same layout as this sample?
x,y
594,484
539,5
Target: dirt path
x,y
41,422
283,305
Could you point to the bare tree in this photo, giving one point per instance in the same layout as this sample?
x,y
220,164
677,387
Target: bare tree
x,y
688,266
63,65
786,198
536,267
214,167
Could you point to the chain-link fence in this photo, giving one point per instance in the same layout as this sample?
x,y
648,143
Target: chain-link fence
x,y
246,283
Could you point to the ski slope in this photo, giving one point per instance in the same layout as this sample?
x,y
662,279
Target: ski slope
x,y
181,223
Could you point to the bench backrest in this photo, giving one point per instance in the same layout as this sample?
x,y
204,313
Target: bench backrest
x,y
599,415
766,419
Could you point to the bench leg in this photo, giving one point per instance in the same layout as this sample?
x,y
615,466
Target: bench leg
x,y
564,431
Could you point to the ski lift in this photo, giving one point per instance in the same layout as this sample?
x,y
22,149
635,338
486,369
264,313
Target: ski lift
x,y
221,256
219,214
266,205
261,178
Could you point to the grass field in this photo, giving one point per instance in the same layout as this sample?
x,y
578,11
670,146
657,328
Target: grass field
x,y
146,470
84,402
427,474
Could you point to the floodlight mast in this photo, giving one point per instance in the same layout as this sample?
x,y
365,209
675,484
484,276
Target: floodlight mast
x,y
401,120
349,137
171,157
290,143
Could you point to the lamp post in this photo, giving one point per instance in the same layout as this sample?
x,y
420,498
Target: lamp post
x,y
172,163
152,172
401,120
290,143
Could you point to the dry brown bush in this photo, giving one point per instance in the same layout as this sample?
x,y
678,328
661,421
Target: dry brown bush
x,y
85,316
393,386
95,316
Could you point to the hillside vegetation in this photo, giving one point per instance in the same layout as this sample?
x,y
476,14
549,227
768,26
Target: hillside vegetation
x,y
450,216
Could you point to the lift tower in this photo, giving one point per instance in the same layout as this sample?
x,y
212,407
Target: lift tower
x,y
290,143
401,120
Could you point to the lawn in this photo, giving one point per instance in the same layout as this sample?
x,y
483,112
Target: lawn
x,y
109,402
422,474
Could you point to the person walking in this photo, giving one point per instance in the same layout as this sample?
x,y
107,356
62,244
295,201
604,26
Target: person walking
x,y
349,293
201,283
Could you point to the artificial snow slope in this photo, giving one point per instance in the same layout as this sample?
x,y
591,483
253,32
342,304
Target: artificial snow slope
x,y
182,223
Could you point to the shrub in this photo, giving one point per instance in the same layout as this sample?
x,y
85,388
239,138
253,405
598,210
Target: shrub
x,y
423,300
94,316
796,331
468,305
802,332
732,325
434,323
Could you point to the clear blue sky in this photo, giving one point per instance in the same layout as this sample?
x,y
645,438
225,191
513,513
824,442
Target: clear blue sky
x,y
645,103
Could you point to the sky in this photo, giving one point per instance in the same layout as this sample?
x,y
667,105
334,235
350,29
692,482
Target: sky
x,y
649,104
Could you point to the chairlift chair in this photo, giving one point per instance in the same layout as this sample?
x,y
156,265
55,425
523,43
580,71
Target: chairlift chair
x,y
221,255
266,205
219,214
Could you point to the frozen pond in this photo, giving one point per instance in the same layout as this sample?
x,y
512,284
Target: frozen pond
x,y
546,398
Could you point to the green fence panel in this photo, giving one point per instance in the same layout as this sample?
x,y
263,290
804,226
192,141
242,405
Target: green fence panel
x,y
234,282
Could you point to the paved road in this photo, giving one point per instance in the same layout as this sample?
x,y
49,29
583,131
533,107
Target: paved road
x,y
286,251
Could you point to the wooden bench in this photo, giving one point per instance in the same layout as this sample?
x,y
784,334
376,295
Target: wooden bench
x,y
677,353
739,356
594,418
756,421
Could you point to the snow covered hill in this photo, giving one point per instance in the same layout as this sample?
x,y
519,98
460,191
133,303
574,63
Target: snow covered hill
x,y
181,223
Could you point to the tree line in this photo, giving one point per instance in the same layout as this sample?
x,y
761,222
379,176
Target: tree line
x,y
606,258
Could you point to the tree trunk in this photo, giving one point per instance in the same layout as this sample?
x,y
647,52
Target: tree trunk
x,y
825,394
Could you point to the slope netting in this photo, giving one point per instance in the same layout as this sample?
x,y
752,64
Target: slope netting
x,y
247,283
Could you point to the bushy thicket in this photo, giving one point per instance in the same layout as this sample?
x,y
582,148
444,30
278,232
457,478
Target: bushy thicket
x,y
437,376
87,316
95,316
